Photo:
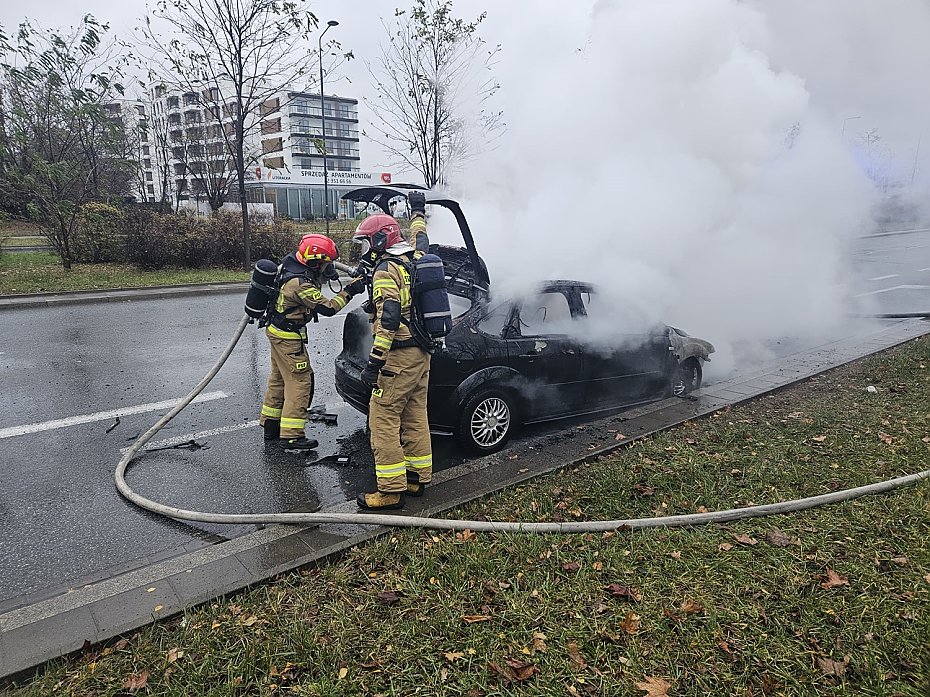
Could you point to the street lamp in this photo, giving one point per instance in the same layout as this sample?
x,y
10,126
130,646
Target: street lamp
x,y
848,118
329,25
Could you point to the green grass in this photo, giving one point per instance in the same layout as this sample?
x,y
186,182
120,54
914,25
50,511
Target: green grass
x,y
738,609
36,272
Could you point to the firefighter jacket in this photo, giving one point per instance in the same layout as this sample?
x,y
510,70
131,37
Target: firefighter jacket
x,y
390,293
299,301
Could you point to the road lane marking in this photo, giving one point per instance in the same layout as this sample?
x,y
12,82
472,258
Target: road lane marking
x,y
887,290
177,440
918,271
103,415
883,278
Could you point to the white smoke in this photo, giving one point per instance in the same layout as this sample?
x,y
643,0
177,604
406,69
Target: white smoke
x,y
687,156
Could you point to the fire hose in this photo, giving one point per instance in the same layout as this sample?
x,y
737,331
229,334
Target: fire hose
x,y
402,521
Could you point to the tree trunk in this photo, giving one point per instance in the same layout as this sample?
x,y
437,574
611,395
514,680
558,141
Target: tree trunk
x,y
243,203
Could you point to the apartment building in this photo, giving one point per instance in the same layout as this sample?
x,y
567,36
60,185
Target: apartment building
x,y
284,146
134,115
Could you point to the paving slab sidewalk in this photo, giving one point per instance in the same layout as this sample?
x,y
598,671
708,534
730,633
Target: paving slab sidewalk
x,y
32,634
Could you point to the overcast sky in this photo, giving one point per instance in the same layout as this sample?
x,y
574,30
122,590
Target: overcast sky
x,y
360,30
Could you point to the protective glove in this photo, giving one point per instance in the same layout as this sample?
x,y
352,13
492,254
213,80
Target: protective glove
x,y
355,286
417,202
371,372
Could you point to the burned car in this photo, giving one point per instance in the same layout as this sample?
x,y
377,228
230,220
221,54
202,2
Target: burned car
x,y
510,361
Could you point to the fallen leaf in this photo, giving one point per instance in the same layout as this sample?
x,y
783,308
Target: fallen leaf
x,y
619,436
691,606
521,669
443,674
630,623
777,538
572,566
643,490
830,667
834,580
885,438
174,654
249,621
819,439
471,619
466,535
514,671
598,566
574,655
675,555
654,687
343,672
725,547
216,624
389,597
158,608
619,591
539,642
745,540
927,578
121,644
136,681
453,656
900,561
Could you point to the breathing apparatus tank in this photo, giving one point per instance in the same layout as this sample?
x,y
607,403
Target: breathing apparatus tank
x,y
262,288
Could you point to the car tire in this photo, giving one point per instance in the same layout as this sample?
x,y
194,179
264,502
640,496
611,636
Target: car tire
x,y
687,378
486,422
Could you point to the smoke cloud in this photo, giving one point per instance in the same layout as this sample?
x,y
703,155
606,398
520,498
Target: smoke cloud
x,y
688,156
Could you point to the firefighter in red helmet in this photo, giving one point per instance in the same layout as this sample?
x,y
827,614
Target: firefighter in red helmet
x,y
398,367
290,385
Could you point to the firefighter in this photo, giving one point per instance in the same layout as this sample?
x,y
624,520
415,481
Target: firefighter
x,y
290,385
398,367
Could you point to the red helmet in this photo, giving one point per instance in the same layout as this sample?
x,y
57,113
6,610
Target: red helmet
x,y
316,248
380,231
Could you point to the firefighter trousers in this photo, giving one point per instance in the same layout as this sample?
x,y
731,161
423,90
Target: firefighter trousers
x,y
290,386
397,418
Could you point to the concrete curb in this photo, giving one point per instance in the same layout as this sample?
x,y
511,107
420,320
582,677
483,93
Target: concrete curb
x,y
32,300
32,634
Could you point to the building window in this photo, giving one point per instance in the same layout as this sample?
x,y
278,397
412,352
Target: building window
x,y
271,126
269,106
151,188
147,164
211,94
176,136
160,91
140,109
145,150
148,176
173,102
272,145
179,169
174,119
190,98
192,116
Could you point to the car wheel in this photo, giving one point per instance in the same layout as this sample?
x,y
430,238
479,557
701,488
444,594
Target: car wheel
x,y
687,378
486,421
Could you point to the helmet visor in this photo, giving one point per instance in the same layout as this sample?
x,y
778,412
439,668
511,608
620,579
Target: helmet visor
x,y
364,244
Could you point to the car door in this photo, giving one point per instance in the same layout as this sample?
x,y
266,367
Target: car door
x,y
625,360
550,361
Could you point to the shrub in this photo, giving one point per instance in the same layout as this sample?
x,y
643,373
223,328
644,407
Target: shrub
x,y
99,235
185,240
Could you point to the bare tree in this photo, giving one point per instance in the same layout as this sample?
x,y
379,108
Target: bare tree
x,y
234,55
435,83
60,139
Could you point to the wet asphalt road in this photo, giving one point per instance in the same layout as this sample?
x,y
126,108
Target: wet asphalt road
x,y
62,519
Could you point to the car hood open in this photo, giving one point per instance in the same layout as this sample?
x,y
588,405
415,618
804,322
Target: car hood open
x,y
381,196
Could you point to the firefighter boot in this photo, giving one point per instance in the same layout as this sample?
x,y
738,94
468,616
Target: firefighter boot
x,y
414,486
272,429
299,443
380,501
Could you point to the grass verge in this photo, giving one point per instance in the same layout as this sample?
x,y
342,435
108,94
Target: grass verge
x,y
36,272
833,601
